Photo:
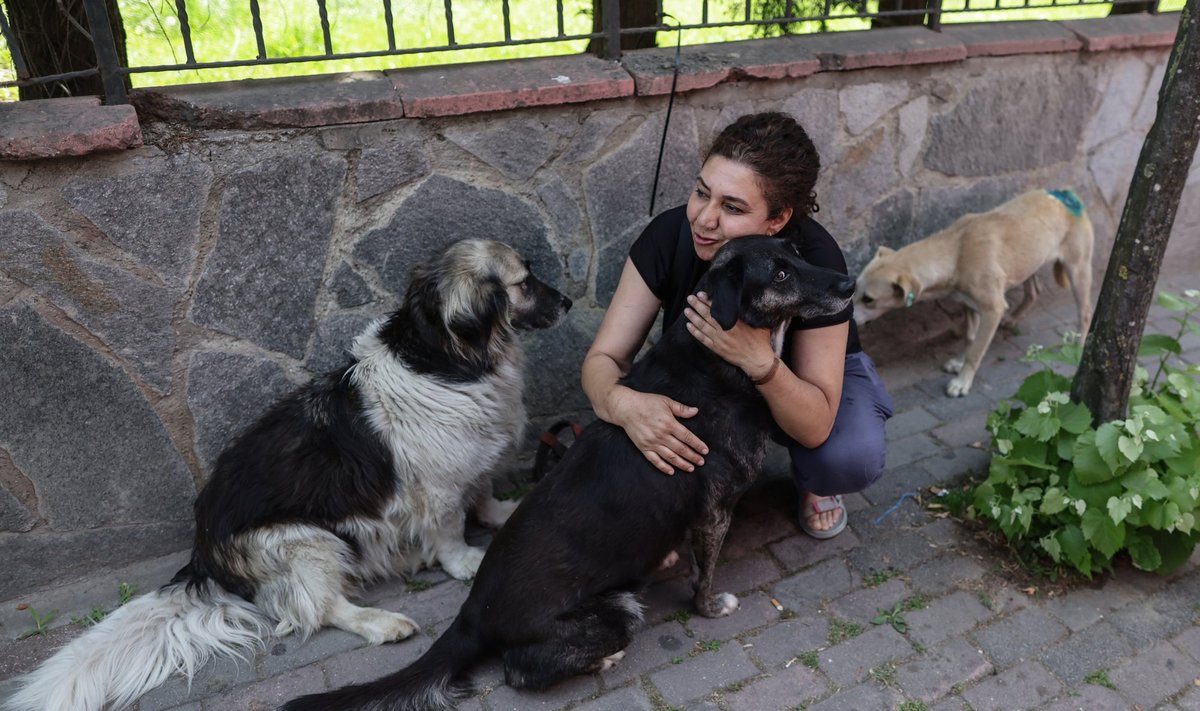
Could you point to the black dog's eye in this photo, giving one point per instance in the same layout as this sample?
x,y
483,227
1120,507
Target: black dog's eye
x,y
781,275
867,301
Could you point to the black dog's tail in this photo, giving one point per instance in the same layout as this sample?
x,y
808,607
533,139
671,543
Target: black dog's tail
x,y
428,684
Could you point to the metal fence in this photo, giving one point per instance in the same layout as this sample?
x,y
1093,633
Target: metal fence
x,y
769,16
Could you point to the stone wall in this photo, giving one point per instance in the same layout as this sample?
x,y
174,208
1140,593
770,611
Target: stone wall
x,y
154,301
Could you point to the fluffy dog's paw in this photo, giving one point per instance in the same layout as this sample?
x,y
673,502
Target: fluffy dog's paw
x,y
395,627
720,605
462,564
954,365
610,661
958,386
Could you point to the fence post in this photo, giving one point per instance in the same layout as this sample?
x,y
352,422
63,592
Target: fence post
x,y
933,9
612,29
107,60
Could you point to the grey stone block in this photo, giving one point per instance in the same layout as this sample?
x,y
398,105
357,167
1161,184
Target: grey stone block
x,y
796,552
745,574
933,675
1019,636
911,422
900,551
389,167
442,211
939,206
891,224
1189,641
943,574
862,605
1145,623
781,644
153,213
349,289
958,147
226,393
1089,698
652,647
852,660
292,652
432,606
333,340
260,281
910,449
1154,674
13,514
824,581
945,618
783,690
703,674
617,186
864,697
966,430
1026,686
269,694
1085,606
219,675
517,148
1089,650
85,436
755,611
865,169
552,365
130,315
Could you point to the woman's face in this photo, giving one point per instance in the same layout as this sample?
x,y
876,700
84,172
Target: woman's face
x,y
728,203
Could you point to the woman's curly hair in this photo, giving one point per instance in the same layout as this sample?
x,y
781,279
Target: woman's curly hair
x,y
777,148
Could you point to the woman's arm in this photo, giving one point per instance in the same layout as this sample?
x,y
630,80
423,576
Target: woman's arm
x,y
651,421
804,402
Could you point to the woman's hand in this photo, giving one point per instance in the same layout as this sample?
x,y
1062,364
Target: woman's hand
x,y
743,346
652,422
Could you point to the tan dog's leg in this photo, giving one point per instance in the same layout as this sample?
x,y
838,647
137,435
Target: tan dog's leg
x,y
989,320
1032,289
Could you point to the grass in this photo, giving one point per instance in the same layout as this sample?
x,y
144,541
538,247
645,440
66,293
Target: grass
x,y
40,623
879,577
809,659
884,674
841,630
1099,678
911,705
222,30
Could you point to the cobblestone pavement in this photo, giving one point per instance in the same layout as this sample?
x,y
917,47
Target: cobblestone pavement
x,y
966,636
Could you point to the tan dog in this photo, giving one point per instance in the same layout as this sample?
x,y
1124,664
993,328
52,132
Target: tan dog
x,y
979,257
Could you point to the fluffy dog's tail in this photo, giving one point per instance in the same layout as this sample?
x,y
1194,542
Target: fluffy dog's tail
x,y
139,645
428,684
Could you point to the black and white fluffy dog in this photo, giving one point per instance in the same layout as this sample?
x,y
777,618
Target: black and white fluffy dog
x,y
556,593
361,474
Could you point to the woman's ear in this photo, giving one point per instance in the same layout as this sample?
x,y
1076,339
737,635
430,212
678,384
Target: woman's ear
x,y
776,223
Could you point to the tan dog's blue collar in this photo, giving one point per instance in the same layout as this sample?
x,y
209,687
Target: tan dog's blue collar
x,y
908,299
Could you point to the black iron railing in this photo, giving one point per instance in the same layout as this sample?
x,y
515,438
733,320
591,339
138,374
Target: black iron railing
x,y
607,39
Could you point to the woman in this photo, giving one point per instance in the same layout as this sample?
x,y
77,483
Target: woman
x,y
757,178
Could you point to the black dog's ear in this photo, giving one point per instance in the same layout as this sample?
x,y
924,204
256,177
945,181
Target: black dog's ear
x,y
726,296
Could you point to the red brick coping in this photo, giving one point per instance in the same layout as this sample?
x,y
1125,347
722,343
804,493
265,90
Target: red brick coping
x,y
73,127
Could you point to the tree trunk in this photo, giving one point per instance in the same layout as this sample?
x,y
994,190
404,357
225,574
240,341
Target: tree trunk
x,y
51,41
1110,353
633,13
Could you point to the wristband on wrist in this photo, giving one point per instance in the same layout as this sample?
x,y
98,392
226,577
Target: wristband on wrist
x,y
770,373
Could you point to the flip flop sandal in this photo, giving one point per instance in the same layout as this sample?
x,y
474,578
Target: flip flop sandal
x,y
830,503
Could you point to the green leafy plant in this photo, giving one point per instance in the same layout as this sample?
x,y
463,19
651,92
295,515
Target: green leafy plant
x,y
97,614
125,593
893,617
841,630
40,623
1080,494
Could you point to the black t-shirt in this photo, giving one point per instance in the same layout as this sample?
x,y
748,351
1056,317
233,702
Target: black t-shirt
x,y
666,258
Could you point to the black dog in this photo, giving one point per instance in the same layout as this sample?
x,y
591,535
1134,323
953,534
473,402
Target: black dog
x,y
555,595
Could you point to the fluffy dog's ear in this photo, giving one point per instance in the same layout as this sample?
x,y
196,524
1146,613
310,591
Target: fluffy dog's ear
x,y
907,289
726,293
477,312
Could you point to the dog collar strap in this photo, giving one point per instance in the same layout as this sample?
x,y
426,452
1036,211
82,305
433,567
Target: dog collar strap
x,y
908,299
770,373
1068,198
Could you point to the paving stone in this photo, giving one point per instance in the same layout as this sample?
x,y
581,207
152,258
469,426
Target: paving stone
x,y
910,422
506,698
1091,649
852,660
783,690
1026,686
745,574
292,652
367,663
1154,674
910,449
945,573
909,478
706,672
963,431
1190,700
900,551
629,698
1084,606
779,644
796,552
860,606
1090,698
268,694
1189,641
755,610
945,532
667,598
954,464
431,606
651,648
864,697
220,675
932,675
1145,623
1019,636
946,617
805,591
